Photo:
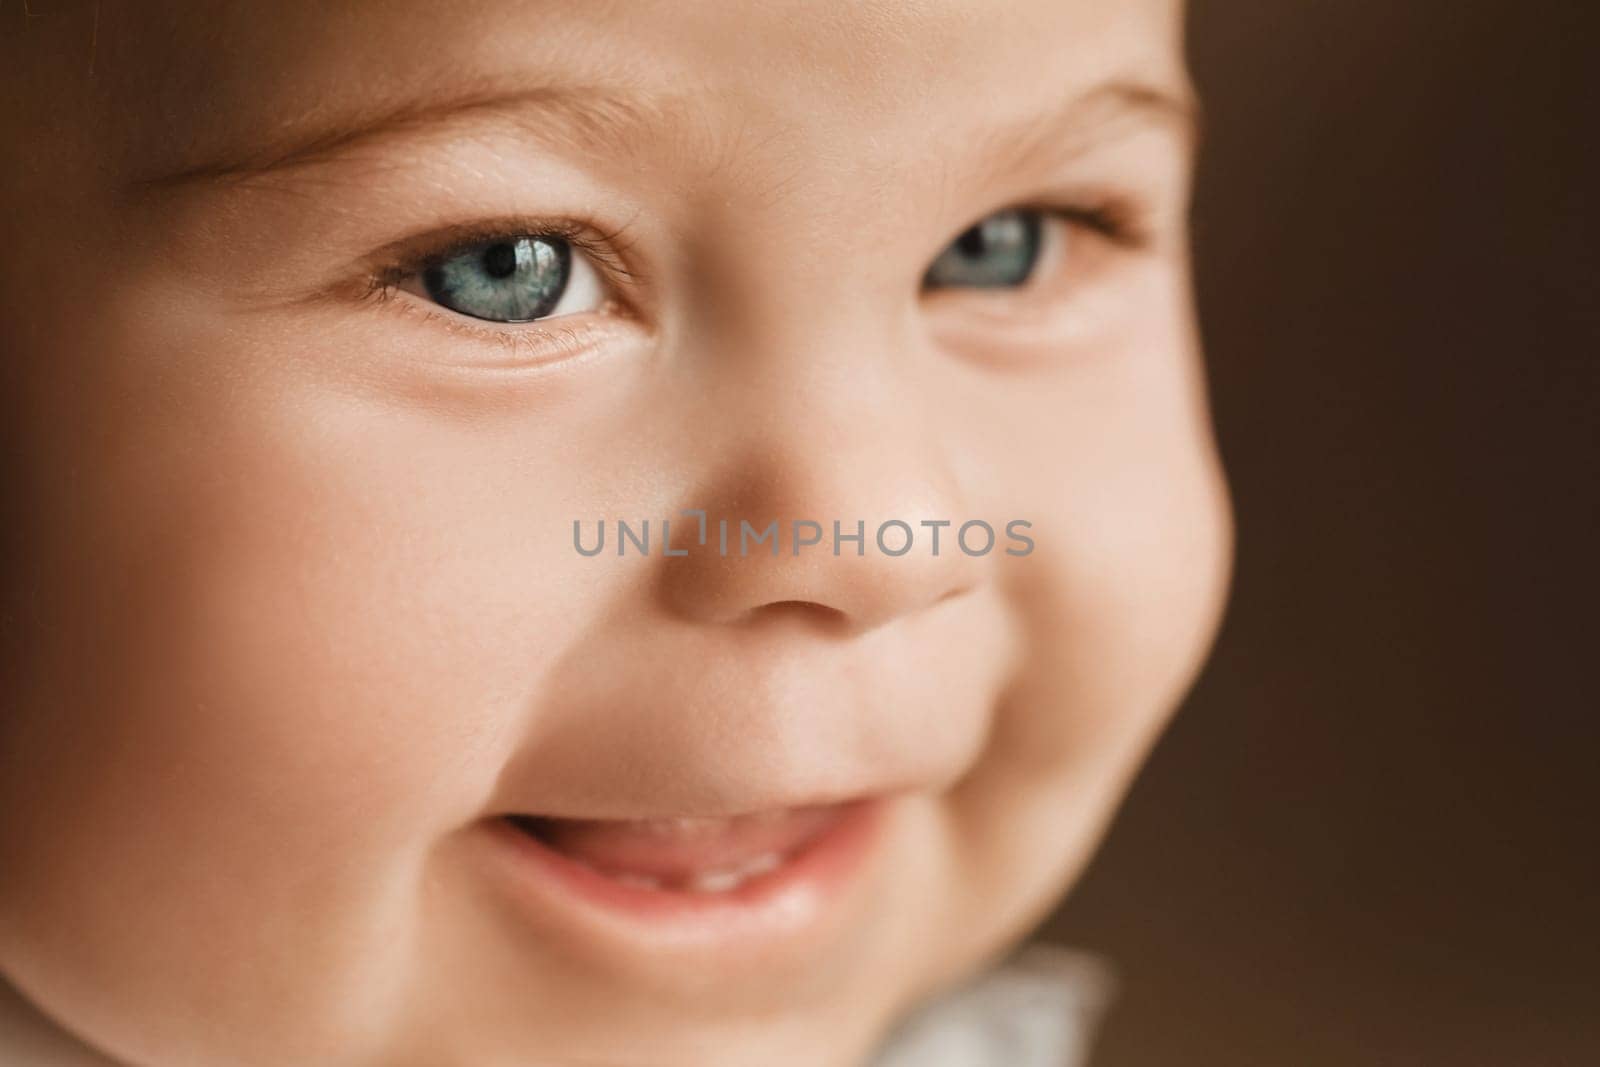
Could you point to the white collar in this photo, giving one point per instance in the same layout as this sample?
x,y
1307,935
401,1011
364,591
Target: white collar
x,y
1039,1009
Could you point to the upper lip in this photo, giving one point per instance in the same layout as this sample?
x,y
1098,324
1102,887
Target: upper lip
x,y
640,767
701,722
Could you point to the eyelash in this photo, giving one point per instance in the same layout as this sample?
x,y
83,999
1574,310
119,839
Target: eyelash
x,y
1122,220
549,340
608,250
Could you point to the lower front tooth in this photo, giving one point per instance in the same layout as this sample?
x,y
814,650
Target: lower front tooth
x,y
769,861
717,881
733,877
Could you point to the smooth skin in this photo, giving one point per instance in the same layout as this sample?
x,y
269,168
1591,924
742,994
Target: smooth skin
x,y
291,601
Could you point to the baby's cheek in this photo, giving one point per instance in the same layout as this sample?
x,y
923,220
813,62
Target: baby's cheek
x,y
1111,462
339,629
1108,454
303,637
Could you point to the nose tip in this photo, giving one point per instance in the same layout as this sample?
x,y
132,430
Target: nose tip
x,y
829,487
809,612
844,593
834,575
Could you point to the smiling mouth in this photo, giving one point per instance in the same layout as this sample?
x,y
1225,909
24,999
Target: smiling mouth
x,y
629,893
688,857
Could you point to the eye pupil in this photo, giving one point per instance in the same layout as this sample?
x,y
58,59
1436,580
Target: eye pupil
x,y
973,243
500,260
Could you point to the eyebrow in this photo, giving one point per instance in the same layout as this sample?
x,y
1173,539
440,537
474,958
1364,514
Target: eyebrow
x,y
1096,114
593,116
597,117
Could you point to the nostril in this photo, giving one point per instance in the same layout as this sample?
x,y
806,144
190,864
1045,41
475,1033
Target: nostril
x,y
803,611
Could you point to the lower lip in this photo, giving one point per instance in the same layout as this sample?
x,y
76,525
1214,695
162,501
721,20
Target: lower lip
x,y
796,897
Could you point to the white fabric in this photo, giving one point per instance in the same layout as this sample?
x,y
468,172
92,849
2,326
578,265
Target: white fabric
x,y
1038,1010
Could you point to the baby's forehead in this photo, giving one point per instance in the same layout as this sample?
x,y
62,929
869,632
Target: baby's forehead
x,y
185,84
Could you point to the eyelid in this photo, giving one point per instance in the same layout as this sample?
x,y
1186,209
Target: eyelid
x,y
1124,221
1115,219
543,341
1116,223
391,265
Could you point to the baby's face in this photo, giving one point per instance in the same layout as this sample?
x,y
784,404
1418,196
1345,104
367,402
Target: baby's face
x,y
325,740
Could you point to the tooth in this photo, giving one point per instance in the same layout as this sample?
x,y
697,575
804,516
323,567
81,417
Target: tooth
x,y
717,881
731,878
767,861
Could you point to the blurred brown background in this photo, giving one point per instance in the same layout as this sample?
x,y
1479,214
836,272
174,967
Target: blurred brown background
x,y
1371,835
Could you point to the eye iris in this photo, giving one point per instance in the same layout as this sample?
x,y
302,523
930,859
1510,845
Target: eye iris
x,y
999,252
516,280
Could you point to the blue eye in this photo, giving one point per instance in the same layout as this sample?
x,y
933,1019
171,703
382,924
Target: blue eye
x,y
999,252
513,279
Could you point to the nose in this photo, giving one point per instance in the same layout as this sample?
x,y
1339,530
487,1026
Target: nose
x,y
831,498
